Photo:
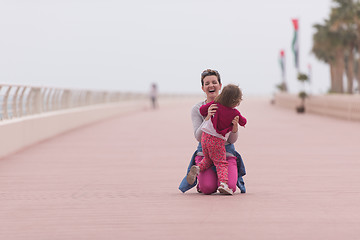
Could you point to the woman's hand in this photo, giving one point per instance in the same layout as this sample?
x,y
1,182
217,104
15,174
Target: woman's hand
x,y
211,111
235,123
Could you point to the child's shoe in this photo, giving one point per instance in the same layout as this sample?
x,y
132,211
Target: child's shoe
x,y
191,177
224,189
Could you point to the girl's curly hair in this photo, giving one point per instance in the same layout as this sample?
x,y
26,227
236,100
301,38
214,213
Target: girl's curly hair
x,y
230,96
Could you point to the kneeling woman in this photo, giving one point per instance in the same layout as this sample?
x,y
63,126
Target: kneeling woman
x,y
208,179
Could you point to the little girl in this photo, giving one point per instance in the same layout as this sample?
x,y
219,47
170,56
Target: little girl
x,y
215,134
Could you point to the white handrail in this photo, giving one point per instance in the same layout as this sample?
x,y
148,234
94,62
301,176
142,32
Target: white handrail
x,y
30,100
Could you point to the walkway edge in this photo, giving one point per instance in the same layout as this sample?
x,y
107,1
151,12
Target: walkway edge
x,y
17,134
341,106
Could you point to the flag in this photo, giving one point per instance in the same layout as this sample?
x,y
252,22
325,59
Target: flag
x,y
295,43
282,64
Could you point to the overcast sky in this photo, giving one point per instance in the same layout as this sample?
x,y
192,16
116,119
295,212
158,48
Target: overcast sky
x,y
127,45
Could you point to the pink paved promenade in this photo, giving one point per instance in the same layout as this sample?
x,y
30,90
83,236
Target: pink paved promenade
x,y
118,179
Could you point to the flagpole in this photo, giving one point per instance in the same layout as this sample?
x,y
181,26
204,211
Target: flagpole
x,y
295,43
283,70
310,76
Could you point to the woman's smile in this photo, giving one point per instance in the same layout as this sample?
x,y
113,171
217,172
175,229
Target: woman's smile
x,y
211,86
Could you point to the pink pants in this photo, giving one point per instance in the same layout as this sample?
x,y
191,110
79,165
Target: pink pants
x,y
214,154
208,179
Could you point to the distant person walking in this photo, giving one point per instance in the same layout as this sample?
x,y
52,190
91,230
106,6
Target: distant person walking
x,y
215,133
208,181
154,95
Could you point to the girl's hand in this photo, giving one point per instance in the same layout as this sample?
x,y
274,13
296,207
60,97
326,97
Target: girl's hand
x,y
235,123
211,111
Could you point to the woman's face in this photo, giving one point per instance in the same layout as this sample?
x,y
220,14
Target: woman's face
x,y
211,86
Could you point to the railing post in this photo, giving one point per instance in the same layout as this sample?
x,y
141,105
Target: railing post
x,y
43,102
5,103
54,100
15,112
37,100
47,101
29,109
21,112
105,97
66,99
88,98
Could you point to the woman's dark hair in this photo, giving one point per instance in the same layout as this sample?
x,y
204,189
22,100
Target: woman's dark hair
x,y
230,96
210,72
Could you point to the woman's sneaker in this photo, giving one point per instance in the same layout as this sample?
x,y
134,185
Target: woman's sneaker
x,y
191,176
198,188
224,189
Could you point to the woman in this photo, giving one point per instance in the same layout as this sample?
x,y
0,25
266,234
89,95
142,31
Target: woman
x,y
208,180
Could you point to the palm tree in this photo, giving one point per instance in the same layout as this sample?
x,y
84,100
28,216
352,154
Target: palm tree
x,y
357,45
323,48
342,22
337,40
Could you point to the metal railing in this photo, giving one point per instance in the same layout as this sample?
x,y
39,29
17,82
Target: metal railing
x,y
18,100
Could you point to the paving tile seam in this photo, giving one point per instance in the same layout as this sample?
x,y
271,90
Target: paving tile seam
x,y
73,196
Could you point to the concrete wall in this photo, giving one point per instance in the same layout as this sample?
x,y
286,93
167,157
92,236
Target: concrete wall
x,y
287,100
18,133
334,105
